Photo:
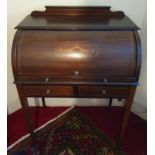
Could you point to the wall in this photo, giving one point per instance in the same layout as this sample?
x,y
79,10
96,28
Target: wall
x,y
17,10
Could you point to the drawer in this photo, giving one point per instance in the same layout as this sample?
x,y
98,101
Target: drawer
x,y
100,91
53,91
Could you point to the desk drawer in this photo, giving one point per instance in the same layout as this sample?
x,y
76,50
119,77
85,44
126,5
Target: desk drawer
x,y
53,91
100,91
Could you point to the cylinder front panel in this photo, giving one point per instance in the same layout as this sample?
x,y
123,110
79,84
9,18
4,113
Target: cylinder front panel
x,y
76,53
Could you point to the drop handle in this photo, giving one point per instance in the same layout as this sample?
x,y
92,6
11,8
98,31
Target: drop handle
x,y
105,80
76,73
48,91
103,92
47,79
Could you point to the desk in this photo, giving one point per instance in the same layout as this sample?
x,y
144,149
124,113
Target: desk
x,y
81,52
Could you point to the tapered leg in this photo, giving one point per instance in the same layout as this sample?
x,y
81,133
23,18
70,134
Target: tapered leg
x,y
126,114
24,103
110,102
43,101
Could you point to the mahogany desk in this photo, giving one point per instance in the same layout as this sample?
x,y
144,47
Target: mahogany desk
x,y
82,52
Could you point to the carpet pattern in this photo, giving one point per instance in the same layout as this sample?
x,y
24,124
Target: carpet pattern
x,y
107,120
70,134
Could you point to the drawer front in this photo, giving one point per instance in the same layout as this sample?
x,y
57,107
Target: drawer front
x,y
99,91
68,91
48,91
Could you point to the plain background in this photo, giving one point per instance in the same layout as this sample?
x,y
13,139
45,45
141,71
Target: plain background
x,y
17,10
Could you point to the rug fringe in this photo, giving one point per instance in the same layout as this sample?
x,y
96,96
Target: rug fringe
x,y
27,135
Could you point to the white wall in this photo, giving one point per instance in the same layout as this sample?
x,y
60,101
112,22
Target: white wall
x,y
17,10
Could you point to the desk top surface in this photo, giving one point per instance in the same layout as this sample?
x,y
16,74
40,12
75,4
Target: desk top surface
x,y
77,18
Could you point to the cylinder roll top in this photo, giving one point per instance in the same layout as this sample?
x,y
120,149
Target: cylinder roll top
x,y
77,46
94,54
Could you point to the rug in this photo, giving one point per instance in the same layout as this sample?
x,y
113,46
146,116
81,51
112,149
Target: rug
x,y
70,134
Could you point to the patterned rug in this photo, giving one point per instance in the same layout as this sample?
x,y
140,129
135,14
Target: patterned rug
x,y
69,134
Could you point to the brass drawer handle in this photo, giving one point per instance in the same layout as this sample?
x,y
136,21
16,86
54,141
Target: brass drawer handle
x,y
103,91
105,80
48,91
76,73
46,79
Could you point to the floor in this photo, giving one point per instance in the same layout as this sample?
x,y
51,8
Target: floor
x,y
108,120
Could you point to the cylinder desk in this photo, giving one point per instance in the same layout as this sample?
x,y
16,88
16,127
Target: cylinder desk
x,y
81,52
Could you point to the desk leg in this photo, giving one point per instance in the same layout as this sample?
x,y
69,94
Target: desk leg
x,y
43,101
110,103
24,103
126,114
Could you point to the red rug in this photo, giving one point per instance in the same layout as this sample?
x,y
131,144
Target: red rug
x,y
69,134
109,123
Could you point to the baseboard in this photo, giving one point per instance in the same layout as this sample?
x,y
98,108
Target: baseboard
x,y
137,108
15,104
